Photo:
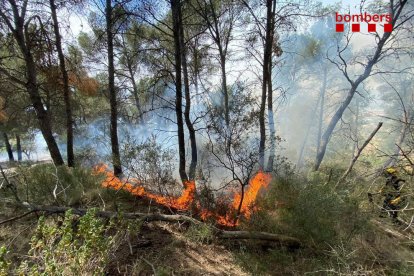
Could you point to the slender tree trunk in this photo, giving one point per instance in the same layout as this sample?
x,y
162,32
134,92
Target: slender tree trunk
x,y
135,92
21,35
66,90
19,148
175,9
321,109
305,139
224,87
271,121
328,132
356,126
8,146
266,60
191,131
116,157
270,113
196,61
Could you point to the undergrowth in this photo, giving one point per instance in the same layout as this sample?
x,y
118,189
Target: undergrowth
x,y
70,247
334,225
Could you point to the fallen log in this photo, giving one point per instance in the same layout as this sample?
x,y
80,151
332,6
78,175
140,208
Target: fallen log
x,y
149,217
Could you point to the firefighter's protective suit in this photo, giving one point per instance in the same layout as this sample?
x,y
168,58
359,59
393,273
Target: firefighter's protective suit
x,y
391,192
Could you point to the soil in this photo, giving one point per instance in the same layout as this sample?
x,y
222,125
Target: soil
x,y
163,246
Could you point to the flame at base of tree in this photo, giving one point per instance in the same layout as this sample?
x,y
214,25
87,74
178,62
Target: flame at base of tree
x,y
260,180
187,198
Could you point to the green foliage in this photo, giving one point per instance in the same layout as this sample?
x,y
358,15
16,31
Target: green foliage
x,y
68,250
149,162
309,210
4,263
202,233
47,184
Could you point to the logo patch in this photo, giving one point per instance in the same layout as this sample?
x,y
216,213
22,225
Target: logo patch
x,y
373,21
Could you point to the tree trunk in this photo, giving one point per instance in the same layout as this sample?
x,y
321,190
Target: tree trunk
x,y
328,132
356,126
397,10
271,121
8,146
191,131
224,87
305,139
135,91
354,85
321,110
270,113
116,157
266,59
21,34
175,9
19,148
66,90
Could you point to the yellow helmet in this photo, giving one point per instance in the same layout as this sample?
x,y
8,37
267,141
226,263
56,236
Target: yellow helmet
x,y
391,170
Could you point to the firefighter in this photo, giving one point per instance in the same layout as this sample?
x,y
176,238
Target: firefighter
x,y
391,192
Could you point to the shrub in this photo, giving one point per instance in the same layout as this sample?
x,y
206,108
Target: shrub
x,y
68,250
202,233
4,263
47,184
311,211
151,163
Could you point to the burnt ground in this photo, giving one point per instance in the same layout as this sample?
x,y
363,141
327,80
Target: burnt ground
x,y
162,248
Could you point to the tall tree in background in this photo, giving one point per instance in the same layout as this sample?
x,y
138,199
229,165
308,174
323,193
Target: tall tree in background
x,y
116,157
129,60
220,18
396,9
187,109
266,31
267,80
176,11
14,16
66,90
8,146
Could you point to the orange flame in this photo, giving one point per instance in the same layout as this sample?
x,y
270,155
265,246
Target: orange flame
x,y
183,202
261,179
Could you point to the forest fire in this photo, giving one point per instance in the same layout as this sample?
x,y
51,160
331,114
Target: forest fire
x,y
132,186
185,201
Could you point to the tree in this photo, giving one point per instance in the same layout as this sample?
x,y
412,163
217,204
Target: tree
x,y
116,157
8,146
15,16
380,49
176,12
220,18
66,90
187,109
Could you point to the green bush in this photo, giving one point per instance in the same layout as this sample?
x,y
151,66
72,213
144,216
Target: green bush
x,y
311,211
202,233
47,184
68,250
4,263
